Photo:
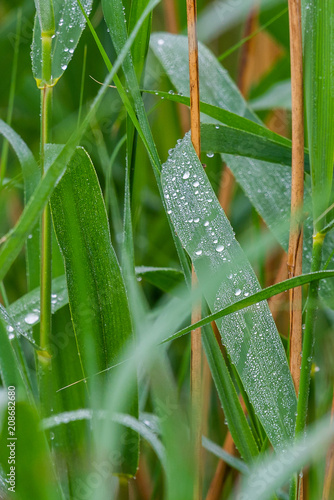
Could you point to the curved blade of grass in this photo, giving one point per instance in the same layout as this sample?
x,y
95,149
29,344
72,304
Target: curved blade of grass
x,y
69,23
97,296
239,135
31,176
124,419
218,451
254,298
251,337
14,241
319,100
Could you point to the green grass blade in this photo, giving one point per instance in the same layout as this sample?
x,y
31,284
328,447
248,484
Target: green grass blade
x,y
97,296
45,14
31,176
69,23
26,310
232,461
251,337
239,136
33,462
166,279
124,419
234,414
275,471
319,99
10,366
255,298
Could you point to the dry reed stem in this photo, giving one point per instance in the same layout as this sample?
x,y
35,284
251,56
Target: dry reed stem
x,y
295,252
329,473
196,347
217,483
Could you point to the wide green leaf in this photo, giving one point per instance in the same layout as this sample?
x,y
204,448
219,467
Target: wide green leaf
x,y
97,296
250,336
69,24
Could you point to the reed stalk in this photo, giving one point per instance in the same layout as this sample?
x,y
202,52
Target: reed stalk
x,y
196,343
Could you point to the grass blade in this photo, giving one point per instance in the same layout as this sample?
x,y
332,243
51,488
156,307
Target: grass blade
x,y
250,335
97,296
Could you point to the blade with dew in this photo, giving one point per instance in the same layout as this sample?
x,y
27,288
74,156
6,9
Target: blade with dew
x,y
272,199
97,295
69,23
224,274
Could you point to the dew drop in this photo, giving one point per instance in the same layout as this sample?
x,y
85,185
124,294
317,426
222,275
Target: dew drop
x,y
64,66
210,155
237,292
220,248
186,175
161,42
199,252
31,318
10,329
206,223
196,184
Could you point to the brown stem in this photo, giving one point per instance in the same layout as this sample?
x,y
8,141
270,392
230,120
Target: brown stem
x,y
295,253
196,348
172,26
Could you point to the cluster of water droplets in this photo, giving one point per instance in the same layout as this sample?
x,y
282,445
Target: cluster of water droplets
x,y
226,276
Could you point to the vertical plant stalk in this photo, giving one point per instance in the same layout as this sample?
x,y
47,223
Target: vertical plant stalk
x,y
46,244
196,344
295,252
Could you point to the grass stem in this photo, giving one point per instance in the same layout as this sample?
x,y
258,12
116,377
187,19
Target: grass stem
x,y
46,274
308,341
196,344
295,253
